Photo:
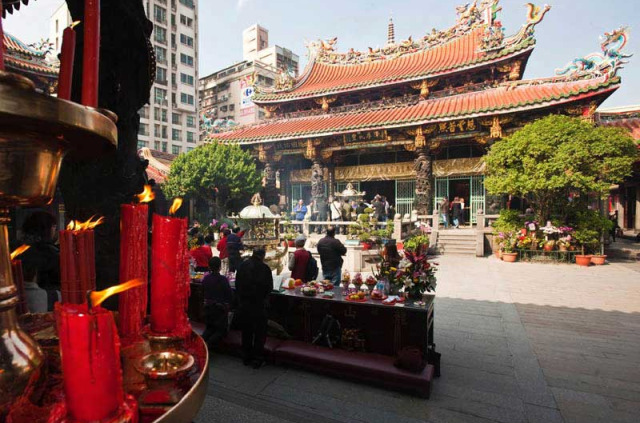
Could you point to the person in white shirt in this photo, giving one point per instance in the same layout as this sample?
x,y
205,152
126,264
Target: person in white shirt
x,y
336,211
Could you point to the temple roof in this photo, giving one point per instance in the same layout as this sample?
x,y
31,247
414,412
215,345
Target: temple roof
x,y
506,98
621,117
26,59
159,163
475,40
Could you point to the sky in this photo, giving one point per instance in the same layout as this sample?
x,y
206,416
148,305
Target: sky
x,y
571,29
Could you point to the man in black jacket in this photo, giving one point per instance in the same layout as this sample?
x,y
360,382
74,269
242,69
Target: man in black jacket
x,y
331,251
254,282
234,246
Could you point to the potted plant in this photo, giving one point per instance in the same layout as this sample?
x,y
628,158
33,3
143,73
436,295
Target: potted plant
x,y
289,233
508,254
547,244
585,237
417,244
365,240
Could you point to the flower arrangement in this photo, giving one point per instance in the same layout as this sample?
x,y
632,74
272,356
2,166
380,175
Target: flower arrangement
x,y
507,241
414,275
416,243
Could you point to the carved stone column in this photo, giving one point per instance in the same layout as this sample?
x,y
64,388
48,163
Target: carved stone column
x,y
423,166
317,176
270,191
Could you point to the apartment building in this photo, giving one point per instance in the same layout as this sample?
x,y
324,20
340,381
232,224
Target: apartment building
x,y
169,123
225,95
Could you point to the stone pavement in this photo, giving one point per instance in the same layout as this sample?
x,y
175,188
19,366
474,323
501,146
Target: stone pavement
x,y
520,343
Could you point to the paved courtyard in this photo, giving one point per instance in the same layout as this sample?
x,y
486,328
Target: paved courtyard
x,y
520,343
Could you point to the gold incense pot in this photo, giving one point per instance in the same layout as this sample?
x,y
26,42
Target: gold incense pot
x,y
35,133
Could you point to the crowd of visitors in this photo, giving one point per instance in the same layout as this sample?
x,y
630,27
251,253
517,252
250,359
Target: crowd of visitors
x,y
452,212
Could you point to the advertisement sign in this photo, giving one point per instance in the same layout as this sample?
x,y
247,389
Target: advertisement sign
x,y
246,92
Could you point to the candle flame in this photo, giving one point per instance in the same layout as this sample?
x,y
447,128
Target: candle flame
x,y
21,249
76,225
146,195
74,24
97,297
177,202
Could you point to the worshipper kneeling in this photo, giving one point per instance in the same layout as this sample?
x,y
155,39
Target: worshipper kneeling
x,y
217,303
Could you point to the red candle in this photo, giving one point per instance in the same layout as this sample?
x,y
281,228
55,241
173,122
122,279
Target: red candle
x,y
91,53
18,280
77,261
133,265
169,276
90,351
67,55
1,40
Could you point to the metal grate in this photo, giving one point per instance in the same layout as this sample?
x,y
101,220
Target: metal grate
x,y
405,196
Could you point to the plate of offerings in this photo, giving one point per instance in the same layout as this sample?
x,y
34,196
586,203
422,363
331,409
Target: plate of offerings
x,y
378,296
309,291
356,298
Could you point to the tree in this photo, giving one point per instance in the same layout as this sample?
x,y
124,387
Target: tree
x,y
555,156
218,172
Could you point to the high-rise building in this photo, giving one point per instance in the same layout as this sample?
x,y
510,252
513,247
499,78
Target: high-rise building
x,y
169,123
225,95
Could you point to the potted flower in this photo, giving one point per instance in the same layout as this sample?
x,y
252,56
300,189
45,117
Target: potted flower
x,y
508,254
547,244
365,240
585,237
289,233
417,244
415,275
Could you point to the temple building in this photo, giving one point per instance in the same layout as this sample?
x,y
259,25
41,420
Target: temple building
x,y
31,62
413,119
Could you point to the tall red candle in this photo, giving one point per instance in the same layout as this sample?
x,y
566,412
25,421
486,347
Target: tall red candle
x,y
90,351
67,55
77,262
133,265
169,276
91,53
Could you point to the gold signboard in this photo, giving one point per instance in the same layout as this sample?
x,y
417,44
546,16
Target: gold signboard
x,y
379,135
456,126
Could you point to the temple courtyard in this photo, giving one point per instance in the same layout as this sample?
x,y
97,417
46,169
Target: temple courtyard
x,y
520,342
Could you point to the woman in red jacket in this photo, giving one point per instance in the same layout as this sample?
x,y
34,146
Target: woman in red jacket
x,y
299,259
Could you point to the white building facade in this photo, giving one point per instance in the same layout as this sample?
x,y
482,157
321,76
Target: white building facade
x,y
225,95
169,123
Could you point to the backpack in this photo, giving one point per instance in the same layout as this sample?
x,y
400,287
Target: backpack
x,y
311,272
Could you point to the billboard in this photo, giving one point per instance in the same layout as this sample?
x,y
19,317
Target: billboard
x,y
246,92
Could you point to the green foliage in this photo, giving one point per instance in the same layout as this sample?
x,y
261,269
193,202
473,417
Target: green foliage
x,y
415,242
509,221
364,237
223,166
590,226
556,155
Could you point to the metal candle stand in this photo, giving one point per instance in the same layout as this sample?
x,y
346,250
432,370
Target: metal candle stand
x,y
36,131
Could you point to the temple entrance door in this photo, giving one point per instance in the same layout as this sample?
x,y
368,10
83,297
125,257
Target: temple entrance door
x,y
405,196
469,187
384,188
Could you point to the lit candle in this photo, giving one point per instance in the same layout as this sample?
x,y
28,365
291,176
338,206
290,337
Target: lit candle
x,y
90,351
169,275
67,55
134,263
77,261
91,53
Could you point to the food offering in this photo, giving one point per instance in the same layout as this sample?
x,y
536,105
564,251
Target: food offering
x,y
358,297
371,281
298,282
309,291
357,279
289,284
378,295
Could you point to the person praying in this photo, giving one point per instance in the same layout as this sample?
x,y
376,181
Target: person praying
x,y
218,298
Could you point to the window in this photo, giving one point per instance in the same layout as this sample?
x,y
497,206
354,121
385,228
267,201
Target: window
x,y
190,137
189,149
160,95
176,135
186,40
186,79
160,14
156,131
156,145
232,107
186,99
164,132
164,115
160,34
186,59
161,54
173,78
156,113
175,118
173,40
173,19
175,149
188,3
164,147
161,75
186,21
191,121
142,144
173,59
143,129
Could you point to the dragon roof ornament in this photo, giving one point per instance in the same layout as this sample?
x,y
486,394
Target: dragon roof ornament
x,y
469,17
494,34
606,64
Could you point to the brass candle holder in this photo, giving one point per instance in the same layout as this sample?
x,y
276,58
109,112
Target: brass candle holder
x,y
36,131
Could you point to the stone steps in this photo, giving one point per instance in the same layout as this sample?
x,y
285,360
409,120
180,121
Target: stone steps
x,y
456,241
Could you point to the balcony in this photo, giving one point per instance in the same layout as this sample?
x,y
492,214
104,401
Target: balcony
x,y
161,82
174,46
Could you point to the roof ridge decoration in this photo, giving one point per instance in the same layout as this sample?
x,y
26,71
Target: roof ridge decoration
x,y
494,33
607,63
